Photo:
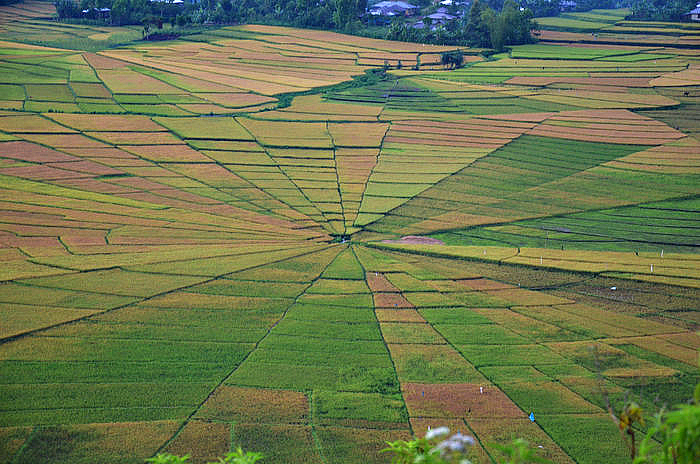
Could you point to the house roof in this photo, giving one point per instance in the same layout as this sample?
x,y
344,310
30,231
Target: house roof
x,y
441,16
695,11
394,4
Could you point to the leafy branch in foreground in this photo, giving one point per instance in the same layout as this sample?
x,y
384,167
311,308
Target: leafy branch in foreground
x,y
235,457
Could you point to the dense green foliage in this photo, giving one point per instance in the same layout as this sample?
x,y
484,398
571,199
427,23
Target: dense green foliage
x,y
483,27
661,10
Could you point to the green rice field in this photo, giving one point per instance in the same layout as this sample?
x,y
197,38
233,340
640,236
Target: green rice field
x,y
293,252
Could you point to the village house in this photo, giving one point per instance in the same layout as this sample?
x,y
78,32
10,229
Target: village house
x,y
693,15
391,8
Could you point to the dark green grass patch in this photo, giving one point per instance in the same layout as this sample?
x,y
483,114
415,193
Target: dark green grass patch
x,y
453,316
88,107
250,288
136,331
546,397
345,445
302,343
23,397
86,349
320,312
11,440
592,438
278,355
333,330
356,300
521,373
333,405
432,364
55,372
94,415
250,318
90,443
297,377
293,444
333,287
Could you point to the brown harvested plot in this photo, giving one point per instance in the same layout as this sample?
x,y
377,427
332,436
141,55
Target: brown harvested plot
x,y
31,123
64,140
394,315
202,441
453,400
82,89
391,300
167,153
86,167
379,283
42,173
107,122
103,62
358,134
255,405
130,82
26,151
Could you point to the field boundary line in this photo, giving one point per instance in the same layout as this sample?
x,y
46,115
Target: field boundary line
x,y
189,418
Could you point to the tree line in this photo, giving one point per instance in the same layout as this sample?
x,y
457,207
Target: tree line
x,y
482,27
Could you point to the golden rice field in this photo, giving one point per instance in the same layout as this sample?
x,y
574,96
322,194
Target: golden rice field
x,y
216,241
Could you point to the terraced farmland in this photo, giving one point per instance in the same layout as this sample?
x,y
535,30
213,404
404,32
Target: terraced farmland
x,y
219,241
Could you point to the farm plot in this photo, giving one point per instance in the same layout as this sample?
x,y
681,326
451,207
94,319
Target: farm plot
x,y
210,262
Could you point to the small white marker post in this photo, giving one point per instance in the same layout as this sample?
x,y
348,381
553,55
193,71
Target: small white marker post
x,y
652,268
662,253
540,259
481,390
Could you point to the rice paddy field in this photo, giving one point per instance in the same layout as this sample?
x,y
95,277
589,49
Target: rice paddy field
x,y
216,241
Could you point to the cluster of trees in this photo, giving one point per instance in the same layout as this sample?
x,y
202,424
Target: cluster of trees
x,y
121,12
323,14
489,24
483,27
660,10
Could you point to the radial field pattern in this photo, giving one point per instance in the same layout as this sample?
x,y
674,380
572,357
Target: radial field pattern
x,y
255,237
